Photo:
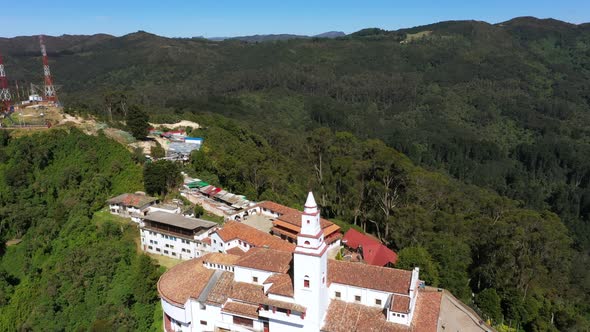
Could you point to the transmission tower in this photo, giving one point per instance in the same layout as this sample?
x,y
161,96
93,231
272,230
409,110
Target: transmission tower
x,y
49,89
5,96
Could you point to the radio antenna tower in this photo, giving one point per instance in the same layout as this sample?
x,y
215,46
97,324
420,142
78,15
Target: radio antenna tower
x,y
49,93
5,96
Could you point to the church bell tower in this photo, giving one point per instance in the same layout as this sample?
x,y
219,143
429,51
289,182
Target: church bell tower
x,y
311,266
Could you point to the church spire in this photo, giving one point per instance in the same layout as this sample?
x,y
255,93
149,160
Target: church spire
x,y
310,205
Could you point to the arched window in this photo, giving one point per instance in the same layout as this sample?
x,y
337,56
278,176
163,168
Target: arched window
x,y
306,243
306,281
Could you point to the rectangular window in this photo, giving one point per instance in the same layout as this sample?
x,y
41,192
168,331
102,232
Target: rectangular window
x,y
338,295
306,283
150,247
254,279
158,249
357,298
203,322
378,301
243,321
173,254
165,251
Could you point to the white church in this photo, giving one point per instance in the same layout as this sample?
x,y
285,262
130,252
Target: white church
x,y
271,290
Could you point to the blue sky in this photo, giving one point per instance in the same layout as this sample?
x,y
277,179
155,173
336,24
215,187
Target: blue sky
x,y
188,18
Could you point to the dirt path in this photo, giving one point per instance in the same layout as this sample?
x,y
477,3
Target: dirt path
x,y
13,242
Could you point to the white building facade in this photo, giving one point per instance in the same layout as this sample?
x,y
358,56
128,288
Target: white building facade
x,y
272,290
175,235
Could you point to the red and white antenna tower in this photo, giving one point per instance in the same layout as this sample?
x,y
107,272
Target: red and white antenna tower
x,y
5,96
49,93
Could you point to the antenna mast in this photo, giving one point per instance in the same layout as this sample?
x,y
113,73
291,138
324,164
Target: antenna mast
x,y
5,96
49,89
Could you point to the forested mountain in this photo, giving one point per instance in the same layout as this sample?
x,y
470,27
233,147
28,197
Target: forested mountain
x,y
71,271
496,114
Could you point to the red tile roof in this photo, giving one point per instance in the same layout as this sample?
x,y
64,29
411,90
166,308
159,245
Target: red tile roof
x,y
427,310
368,276
242,309
237,251
222,289
290,215
187,279
219,258
134,200
282,284
267,260
344,317
374,252
236,230
400,303
246,292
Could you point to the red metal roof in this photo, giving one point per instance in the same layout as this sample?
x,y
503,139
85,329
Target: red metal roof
x,y
374,252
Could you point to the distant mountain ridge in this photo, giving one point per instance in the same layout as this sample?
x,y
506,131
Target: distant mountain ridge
x,y
274,37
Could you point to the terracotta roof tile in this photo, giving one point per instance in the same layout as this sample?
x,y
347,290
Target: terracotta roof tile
x,y
267,260
282,284
246,292
219,258
345,317
235,230
400,303
290,215
187,279
237,251
221,291
241,309
427,310
134,200
368,276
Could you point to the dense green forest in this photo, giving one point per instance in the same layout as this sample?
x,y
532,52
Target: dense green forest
x,y
72,270
462,144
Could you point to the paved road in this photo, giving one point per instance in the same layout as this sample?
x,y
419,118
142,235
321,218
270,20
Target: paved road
x,y
455,316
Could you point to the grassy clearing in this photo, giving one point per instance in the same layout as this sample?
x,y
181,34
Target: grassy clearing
x,y
410,37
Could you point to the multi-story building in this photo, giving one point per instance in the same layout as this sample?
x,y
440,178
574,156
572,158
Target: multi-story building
x,y
130,205
273,290
286,222
237,238
175,235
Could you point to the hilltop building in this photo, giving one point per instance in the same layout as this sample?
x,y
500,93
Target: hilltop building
x,y
287,222
175,235
128,205
371,250
266,289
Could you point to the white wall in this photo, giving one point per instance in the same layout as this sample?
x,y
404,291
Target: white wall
x,y
243,274
177,313
368,296
166,245
217,244
210,314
